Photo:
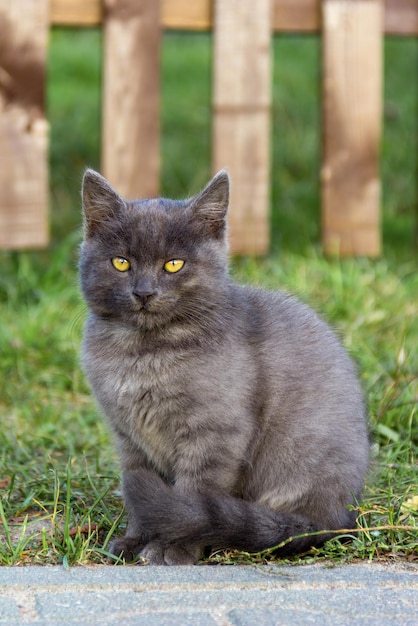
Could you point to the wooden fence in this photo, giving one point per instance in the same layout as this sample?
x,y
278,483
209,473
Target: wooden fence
x,y
352,32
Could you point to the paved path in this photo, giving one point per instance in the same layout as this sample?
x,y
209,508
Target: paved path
x,y
365,594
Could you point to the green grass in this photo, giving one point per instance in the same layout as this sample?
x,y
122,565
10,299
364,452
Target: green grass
x,y
59,475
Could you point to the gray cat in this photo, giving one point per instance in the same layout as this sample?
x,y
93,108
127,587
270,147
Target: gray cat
x,y
238,415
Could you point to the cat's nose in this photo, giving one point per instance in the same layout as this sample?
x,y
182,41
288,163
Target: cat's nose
x,y
144,295
144,291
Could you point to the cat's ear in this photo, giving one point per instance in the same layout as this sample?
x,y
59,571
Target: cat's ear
x,y
210,206
100,201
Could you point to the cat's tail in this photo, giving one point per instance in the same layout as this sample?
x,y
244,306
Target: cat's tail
x,y
171,516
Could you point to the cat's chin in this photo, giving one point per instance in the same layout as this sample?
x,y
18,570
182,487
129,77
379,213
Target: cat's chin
x,y
148,319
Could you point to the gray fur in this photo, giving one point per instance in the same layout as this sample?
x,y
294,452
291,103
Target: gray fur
x,y
237,413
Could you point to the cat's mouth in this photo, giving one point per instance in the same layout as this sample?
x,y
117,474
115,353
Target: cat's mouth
x,y
145,307
150,307
154,307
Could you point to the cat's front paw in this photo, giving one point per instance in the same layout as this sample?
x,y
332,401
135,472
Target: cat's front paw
x,y
156,553
127,548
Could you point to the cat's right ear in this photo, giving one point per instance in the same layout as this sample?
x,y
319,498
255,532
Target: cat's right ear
x,y
100,201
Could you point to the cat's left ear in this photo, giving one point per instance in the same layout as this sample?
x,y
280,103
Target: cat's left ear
x,y
100,201
210,206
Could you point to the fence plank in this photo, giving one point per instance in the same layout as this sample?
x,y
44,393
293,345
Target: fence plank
x,y
297,16
130,151
76,12
196,15
241,125
301,16
293,16
23,128
352,68
401,17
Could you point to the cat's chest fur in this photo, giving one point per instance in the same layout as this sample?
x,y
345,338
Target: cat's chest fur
x,y
162,400
139,391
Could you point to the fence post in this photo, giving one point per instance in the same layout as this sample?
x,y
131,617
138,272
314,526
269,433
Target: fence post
x,y
352,96
130,151
241,124
23,127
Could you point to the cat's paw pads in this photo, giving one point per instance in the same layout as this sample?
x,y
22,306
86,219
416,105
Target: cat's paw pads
x,y
127,548
153,553
177,555
157,554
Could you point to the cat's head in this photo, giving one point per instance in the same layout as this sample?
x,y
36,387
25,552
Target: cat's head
x,y
149,261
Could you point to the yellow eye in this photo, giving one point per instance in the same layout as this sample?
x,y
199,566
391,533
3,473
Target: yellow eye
x,y
173,266
121,264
